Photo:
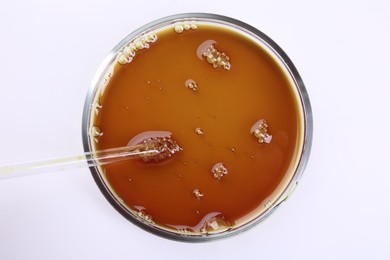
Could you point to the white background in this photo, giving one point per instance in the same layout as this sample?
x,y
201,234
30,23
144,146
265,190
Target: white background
x,y
49,52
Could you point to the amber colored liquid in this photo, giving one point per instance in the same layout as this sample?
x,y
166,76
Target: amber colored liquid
x,y
149,94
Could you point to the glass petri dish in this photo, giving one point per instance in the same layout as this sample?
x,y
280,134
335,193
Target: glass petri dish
x,y
181,23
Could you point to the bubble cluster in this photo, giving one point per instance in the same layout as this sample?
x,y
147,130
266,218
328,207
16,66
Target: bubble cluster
x,y
158,148
260,131
219,170
191,84
128,52
146,217
198,194
97,106
185,27
104,83
217,59
141,213
268,204
184,231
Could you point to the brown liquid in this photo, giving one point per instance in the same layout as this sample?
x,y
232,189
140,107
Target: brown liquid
x,y
212,122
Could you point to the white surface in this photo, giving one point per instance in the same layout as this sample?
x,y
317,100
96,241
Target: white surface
x,y
49,51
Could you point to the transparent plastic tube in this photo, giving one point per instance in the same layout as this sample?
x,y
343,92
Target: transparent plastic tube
x,y
88,159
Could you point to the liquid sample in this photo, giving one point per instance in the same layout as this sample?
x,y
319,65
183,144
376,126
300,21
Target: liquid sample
x,y
237,119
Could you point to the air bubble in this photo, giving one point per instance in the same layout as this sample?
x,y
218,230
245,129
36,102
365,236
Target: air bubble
x,y
199,131
179,29
96,133
139,45
227,66
152,38
124,59
129,51
215,223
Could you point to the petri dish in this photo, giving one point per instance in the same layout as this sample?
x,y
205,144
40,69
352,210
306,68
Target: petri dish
x,y
237,106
